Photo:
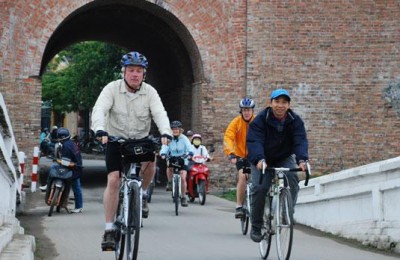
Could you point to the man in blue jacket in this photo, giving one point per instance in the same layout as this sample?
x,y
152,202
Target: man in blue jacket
x,y
276,136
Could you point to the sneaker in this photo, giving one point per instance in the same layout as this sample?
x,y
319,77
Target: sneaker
x,y
255,235
169,186
108,243
145,207
239,212
76,210
43,188
184,202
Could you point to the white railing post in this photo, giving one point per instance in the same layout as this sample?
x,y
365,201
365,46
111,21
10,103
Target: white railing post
x,y
35,162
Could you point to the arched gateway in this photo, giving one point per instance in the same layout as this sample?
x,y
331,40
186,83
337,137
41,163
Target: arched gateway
x,y
339,60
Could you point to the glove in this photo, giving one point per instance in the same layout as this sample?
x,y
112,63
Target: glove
x,y
231,156
101,133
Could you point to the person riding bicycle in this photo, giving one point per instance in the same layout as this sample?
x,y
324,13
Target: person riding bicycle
x,y
189,134
179,146
69,150
236,150
125,108
276,136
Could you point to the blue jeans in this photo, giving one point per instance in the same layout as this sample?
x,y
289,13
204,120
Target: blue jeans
x,y
76,188
259,191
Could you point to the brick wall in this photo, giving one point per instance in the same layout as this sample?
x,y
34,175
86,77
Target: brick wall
x,y
339,60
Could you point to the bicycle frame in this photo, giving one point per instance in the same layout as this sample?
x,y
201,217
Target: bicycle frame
x,y
278,221
129,212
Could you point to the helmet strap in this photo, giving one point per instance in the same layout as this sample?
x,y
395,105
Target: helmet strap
x,y
130,87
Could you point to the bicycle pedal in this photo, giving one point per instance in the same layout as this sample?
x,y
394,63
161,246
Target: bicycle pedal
x,y
108,249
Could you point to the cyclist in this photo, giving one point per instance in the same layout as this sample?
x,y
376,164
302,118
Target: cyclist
x,y
189,134
276,136
125,108
179,146
235,148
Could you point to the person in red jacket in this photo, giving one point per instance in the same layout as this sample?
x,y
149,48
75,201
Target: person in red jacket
x,y
236,150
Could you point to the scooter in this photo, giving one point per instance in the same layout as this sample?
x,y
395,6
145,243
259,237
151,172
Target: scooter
x,y
58,190
197,184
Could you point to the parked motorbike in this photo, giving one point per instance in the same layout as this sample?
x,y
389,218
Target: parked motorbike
x,y
198,176
58,190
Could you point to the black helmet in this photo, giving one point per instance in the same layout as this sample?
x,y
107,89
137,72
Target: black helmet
x,y
63,134
189,133
176,124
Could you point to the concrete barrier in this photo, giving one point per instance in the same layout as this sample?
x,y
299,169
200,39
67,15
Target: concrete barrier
x,y
361,203
13,243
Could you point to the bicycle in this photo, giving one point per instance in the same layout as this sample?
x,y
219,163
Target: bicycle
x,y
128,220
177,163
244,220
278,213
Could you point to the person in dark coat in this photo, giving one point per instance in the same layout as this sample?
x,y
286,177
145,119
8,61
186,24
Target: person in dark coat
x,y
276,136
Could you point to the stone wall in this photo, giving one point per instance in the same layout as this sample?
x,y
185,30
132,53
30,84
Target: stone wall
x,y
339,61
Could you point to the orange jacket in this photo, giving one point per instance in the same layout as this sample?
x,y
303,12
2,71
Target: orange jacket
x,y
235,137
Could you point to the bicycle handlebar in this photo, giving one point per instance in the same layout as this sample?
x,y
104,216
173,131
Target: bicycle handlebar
x,y
282,169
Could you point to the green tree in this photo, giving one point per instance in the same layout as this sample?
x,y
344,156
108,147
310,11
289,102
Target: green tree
x,y
76,76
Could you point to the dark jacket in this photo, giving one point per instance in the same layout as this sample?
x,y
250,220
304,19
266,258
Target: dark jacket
x,y
272,140
71,151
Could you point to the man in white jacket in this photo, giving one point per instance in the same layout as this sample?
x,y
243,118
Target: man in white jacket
x,y
125,108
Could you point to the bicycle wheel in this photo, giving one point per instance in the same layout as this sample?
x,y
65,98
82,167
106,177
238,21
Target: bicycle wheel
x,y
133,231
201,188
56,194
284,225
265,244
119,237
244,223
176,194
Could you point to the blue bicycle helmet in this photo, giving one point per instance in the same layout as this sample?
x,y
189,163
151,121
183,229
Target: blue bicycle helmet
x,y
63,134
134,58
176,124
247,103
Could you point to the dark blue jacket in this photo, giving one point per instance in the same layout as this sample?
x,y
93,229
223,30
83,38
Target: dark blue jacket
x,y
272,140
71,150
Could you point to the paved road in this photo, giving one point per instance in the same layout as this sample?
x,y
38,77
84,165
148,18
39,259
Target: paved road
x,y
199,232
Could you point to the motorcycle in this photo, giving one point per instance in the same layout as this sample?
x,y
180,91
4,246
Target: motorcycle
x,y
197,184
58,190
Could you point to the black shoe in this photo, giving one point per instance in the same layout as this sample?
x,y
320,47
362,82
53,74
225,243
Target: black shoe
x,y
145,207
108,243
239,213
255,235
184,202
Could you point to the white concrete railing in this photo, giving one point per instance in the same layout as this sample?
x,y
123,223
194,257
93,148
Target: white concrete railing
x,y
9,177
13,243
361,203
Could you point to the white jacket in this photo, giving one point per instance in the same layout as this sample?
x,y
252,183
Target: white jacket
x,y
129,116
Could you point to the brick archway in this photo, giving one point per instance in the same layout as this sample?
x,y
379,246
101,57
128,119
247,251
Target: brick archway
x,y
175,63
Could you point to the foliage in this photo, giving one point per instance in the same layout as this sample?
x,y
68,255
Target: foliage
x,y
76,76
229,195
